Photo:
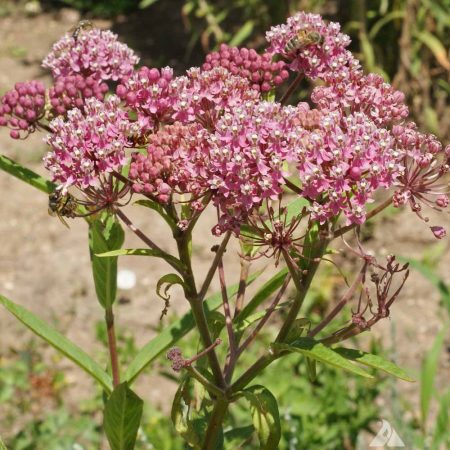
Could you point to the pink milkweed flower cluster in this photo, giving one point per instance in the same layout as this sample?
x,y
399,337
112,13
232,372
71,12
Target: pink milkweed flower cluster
x,y
89,144
22,107
212,134
315,58
93,53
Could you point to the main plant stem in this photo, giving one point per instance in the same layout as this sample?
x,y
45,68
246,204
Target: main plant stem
x,y
196,301
215,422
112,346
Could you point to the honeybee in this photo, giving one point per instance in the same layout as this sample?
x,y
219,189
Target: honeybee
x,y
303,39
61,205
82,25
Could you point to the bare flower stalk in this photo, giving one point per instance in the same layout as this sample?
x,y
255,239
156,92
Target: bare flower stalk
x,y
212,270
344,300
266,316
232,353
245,267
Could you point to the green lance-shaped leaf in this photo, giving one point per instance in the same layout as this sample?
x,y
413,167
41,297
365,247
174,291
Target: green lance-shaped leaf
x,y
320,352
428,373
123,412
441,433
159,209
170,335
105,237
58,341
26,175
435,46
265,415
143,252
375,361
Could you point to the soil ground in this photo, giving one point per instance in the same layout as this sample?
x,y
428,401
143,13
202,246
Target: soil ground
x,y
45,267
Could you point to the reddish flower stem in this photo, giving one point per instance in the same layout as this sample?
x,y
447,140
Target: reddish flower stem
x,y
112,346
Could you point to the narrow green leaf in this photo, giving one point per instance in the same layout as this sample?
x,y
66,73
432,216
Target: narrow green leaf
x,y
297,329
244,32
143,252
27,175
428,373
159,209
295,208
146,3
316,350
393,15
442,428
123,412
2,445
263,293
265,415
59,342
435,46
375,361
103,238
311,369
170,335
169,280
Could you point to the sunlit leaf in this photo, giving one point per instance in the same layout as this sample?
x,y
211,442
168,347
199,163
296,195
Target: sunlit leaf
x,y
265,415
375,361
428,373
105,236
27,175
123,413
59,342
316,350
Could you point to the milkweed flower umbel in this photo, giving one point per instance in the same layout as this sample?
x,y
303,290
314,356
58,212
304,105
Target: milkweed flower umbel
x,y
88,145
94,52
310,45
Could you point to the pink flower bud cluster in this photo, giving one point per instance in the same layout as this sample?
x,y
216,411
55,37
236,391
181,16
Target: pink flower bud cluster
x,y
341,164
175,161
369,94
94,52
262,73
22,107
73,90
311,46
89,144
